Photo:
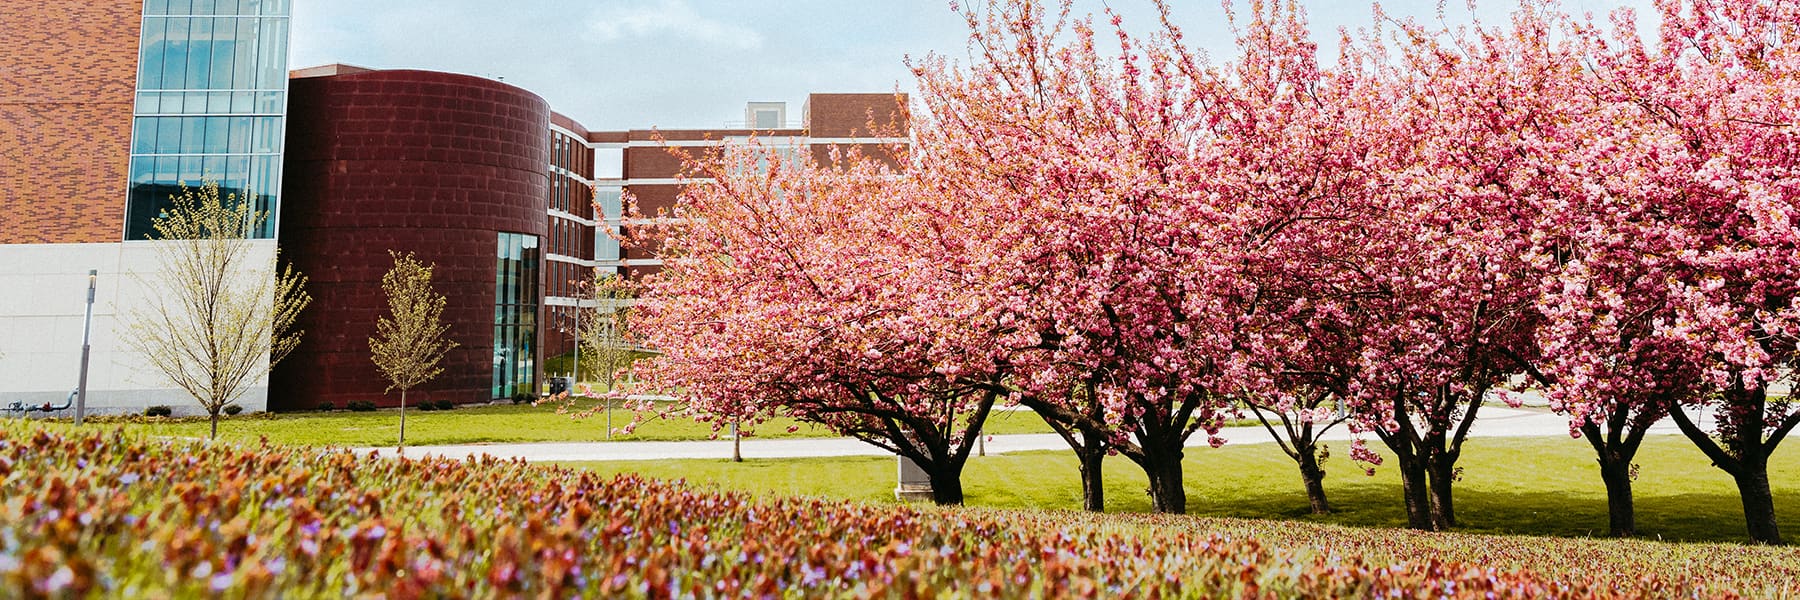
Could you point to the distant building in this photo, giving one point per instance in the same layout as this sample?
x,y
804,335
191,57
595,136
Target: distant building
x,y
652,158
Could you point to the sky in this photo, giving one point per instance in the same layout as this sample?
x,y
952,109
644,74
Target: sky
x,y
625,64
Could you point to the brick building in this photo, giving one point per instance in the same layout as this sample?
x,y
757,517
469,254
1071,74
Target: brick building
x,y
109,106
451,168
105,106
652,159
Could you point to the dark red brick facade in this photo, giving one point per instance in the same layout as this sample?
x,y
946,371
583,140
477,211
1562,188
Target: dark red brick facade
x,y
432,163
570,242
68,71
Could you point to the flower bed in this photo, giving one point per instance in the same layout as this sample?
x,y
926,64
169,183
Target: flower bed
x,y
114,515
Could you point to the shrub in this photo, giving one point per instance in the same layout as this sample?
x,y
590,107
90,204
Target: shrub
x,y
425,406
325,407
524,398
444,405
361,405
158,411
233,409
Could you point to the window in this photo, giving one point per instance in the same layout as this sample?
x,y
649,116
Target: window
x,y
612,213
211,104
515,315
768,119
765,115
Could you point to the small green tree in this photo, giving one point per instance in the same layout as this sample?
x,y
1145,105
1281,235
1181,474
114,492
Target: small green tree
x,y
225,317
410,342
600,329
600,334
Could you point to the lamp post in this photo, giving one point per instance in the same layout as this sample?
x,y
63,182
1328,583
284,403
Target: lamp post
x,y
576,378
87,327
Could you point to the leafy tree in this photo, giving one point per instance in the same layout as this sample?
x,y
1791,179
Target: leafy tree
x,y
225,317
409,342
601,329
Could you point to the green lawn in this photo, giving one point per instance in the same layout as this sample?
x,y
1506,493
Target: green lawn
x,y
500,423
1537,486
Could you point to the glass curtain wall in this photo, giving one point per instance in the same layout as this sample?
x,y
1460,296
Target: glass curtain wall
x,y
211,105
515,315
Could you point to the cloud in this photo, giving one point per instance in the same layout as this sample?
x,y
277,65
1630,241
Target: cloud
x,y
671,18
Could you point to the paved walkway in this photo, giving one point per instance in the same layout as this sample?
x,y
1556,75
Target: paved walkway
x,y
1493,422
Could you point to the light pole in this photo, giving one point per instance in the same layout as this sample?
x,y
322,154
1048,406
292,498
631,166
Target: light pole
x,y
576,379
87,327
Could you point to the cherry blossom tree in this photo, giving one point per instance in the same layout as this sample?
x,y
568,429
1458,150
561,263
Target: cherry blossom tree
x,y
1604,360
1445,308
1689,275
1098,237
1607,364
1288,158
826,293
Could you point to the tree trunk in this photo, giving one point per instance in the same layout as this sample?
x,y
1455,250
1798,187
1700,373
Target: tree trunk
x,y
1314,478
402,418
1614,447
1750,467
946,484
1167,495
1090,445
1621,515
1759,502
1093,488
215,424
1443,503
1417,493
737,452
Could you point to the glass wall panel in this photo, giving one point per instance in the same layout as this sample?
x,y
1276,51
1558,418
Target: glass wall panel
x,y
239,139
174,49
244,54
150,61
271,54
143,134
515,315
211,106
193,135
199,53
611,211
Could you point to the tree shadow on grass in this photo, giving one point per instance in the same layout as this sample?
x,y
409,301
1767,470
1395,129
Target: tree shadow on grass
x,y
1259,485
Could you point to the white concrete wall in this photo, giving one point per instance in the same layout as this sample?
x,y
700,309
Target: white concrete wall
x,y
43,291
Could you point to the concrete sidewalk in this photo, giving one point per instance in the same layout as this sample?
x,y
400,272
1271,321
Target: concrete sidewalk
x,y
1492,422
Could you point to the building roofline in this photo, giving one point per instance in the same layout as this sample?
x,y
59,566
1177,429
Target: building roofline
x,y
329,70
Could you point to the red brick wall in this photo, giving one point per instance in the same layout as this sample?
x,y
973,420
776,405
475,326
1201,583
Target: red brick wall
x,y
658,162
828,116
68,70
856,115
431,163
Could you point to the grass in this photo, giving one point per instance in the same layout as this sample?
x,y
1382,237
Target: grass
x,y
97,513
491,424
1510,486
